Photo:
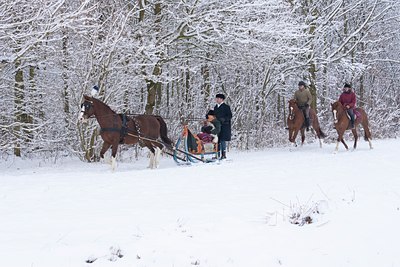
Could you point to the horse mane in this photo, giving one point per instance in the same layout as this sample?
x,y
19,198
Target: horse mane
x,y
293,102
337,104
101,103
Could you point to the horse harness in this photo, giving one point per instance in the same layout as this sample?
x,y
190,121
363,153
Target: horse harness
x,y
125,130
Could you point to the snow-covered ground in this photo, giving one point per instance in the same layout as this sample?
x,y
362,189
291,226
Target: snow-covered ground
x,y
233,214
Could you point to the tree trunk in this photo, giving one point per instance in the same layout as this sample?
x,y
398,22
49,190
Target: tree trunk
x,y
18,101
153,85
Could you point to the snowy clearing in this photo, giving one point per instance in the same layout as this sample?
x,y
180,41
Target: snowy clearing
x,y
233,214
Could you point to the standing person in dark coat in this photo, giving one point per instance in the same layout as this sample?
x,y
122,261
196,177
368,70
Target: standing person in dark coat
x,y
224,115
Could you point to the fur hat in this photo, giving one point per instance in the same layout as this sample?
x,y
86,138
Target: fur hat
x,y
222,96
346,85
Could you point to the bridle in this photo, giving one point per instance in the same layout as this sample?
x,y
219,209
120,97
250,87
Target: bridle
x,y
335,113
292,114
86,105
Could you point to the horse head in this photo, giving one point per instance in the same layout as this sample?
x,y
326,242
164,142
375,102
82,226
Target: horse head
x,y
291,122
87,109
337,110
292,107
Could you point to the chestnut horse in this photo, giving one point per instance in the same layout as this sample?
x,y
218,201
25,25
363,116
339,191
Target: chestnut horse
x,y
342,123
147,130
296,121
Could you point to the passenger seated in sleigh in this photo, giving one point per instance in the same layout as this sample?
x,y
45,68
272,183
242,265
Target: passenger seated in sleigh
x,y
210,129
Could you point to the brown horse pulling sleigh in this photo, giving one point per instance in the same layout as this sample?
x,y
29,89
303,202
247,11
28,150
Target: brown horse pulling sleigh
x,y
147,130
342,124
296,123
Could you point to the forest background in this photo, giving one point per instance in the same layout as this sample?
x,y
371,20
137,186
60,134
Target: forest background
x,y
170,57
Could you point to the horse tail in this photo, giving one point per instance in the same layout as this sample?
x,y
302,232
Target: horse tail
x,y
321,134
367,133
365,124
164,132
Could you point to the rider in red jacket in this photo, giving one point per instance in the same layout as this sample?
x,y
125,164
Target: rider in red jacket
x,y
348,100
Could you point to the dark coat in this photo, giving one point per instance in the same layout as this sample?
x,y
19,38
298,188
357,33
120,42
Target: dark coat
x,y
215,128
224,115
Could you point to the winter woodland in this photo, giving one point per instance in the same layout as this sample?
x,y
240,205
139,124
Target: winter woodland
x,y
170,57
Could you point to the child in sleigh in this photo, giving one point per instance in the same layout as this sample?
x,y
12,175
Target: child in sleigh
x,y
210,129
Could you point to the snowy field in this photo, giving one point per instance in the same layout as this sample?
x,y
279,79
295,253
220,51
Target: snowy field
x,y
237,213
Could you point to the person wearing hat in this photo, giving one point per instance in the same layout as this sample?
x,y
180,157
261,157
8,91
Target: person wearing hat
x,y
212,125
211,128
224,115
348,100
303,98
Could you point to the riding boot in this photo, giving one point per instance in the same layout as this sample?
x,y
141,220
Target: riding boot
x,y
308,124
352,123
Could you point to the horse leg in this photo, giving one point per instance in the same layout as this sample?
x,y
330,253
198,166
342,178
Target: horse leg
x,y
157,155
367,133
152,155
303,136
292,137
114,149
340,139
354,131
344,143
104,149
337,146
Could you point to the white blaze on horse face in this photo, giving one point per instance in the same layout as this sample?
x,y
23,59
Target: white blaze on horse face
x,y
334,116
80,117
291,113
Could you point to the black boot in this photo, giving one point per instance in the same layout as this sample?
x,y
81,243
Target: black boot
x,y
223,156
308,124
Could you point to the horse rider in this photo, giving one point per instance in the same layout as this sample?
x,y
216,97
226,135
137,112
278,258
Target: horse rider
x,y
224,115
348,100
303,98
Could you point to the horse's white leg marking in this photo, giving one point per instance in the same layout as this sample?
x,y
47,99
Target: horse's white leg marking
x,y
151,163
113,163
320,142
157,157
370,143
337,147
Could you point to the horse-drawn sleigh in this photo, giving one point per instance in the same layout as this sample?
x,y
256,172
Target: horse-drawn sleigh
x,y
147,131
